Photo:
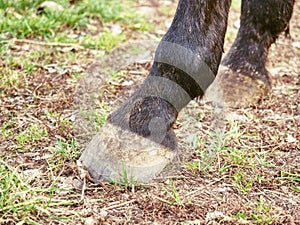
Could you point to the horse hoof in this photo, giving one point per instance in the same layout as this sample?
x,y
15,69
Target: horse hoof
x,y
115,154
235,90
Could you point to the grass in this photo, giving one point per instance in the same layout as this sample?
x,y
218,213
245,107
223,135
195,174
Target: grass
x,y
220,157
21,200
236,4
126,181
31,134
80,23
226,154
173,193
66,151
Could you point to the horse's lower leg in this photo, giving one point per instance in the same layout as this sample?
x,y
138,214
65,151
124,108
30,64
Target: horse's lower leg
x,y
139,134
243,76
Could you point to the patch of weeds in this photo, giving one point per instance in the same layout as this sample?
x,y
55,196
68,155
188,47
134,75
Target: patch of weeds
x,y
22,203
295,188
65,125
3,46
31,134
218,153
237,156
205,162
106,10
207,156
241,215
76,75
100,118
260,213
116,75
67,151
20,5
223,168
93,119
263,161
142,24
237,163
125,181
28,67
10,78
20,19
243,181
290,176
6,129
173,193
105,40
61,154
292,180
193,165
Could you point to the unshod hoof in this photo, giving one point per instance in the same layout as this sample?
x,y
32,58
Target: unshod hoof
x,y
116,154
231,89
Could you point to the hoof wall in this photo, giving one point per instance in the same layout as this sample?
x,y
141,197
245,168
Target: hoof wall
x,y
231,89
114,153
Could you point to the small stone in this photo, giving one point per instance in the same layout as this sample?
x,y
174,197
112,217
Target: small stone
x,y
291,139
91,221
50,5
103,213
296,44
116,29
128,83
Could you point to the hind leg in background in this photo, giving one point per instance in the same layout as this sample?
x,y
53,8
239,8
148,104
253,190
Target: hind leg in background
x,y
243,78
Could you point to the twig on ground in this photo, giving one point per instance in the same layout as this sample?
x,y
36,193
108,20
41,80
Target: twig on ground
x,y
52,44
119,205
204,187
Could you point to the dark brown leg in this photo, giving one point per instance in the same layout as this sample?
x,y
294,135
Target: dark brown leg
x,y
139,134
243,76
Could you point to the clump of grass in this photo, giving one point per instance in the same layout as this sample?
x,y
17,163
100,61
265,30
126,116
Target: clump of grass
x,y
260,213
125,180
173,193
31,134
219,149
20,19
237,163
105,40
21,201
66,151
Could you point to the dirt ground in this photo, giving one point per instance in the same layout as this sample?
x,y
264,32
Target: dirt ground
x,y
247,173
270,131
